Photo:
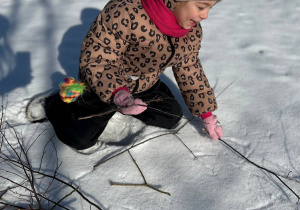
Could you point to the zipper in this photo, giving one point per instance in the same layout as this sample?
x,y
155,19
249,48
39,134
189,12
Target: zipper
x,y
169,59
172,53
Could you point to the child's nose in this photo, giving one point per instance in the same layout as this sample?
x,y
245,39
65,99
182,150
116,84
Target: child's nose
x,y
204,15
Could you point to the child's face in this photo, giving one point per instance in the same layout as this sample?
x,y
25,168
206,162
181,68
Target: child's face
x,y
189,13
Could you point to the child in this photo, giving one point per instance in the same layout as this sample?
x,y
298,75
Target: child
x,y
127,48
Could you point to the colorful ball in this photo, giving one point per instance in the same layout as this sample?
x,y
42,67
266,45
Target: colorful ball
x,y
71,89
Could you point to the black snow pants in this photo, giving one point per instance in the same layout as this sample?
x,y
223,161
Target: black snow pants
x,y
82,134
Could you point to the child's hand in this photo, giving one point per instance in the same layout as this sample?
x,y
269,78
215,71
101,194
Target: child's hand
x,y
213,127
127,104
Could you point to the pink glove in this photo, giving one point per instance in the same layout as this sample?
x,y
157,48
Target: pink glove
x,y
213,127
127,104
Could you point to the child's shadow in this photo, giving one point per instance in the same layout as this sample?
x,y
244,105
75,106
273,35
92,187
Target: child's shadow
x,y
15,70
69,48
20,76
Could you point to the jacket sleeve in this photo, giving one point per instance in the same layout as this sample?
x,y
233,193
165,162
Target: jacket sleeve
x,y
193,84
102,50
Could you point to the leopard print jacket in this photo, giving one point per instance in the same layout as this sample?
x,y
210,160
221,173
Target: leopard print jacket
x,y
124,48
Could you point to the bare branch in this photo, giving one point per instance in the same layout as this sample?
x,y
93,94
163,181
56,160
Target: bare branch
x,y
185,145
225,89
2,113
135,145
40,134
13,173
21,197
31,178
128,150
30,190
23,162
263,168
4,192
57,179
116,109
64,198
100,163
137,167
137,185
69,185
11,205
44,152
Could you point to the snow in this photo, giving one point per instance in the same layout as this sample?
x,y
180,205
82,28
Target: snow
x,y
251,56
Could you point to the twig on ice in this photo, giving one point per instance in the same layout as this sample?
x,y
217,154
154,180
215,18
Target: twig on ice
x,y
100,163
265,169
138,185
135,145
225,88
64,197
185,145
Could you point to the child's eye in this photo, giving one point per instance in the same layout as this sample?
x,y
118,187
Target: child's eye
x,y
200,8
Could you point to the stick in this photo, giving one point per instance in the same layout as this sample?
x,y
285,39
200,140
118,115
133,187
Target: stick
x,y
116,109
265,169
20,165
137,185
185,146
30,190
174,132
64,198
30,177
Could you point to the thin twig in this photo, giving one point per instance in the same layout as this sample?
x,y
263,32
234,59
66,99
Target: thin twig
x,y
31,178
19,196
140,133
4,192
138,185
185,145
37,138
54,188
145,182
98,115
69,185
135,145
116,109
175,134
1,121
137,167
2,112
44,152
20,165
12,205
263,168
100,163
30,173
225,89
57,165
29,190
170,114
64,197
10,172
50,183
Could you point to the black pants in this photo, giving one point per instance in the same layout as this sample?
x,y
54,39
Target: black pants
x,y
82,134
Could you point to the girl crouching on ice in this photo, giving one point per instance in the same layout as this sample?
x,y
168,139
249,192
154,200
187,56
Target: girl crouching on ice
x,y
127,48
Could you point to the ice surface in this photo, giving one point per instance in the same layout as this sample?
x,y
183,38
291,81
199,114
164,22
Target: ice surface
x,y
251,56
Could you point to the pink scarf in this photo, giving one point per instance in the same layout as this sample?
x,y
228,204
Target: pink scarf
x,y
163,18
